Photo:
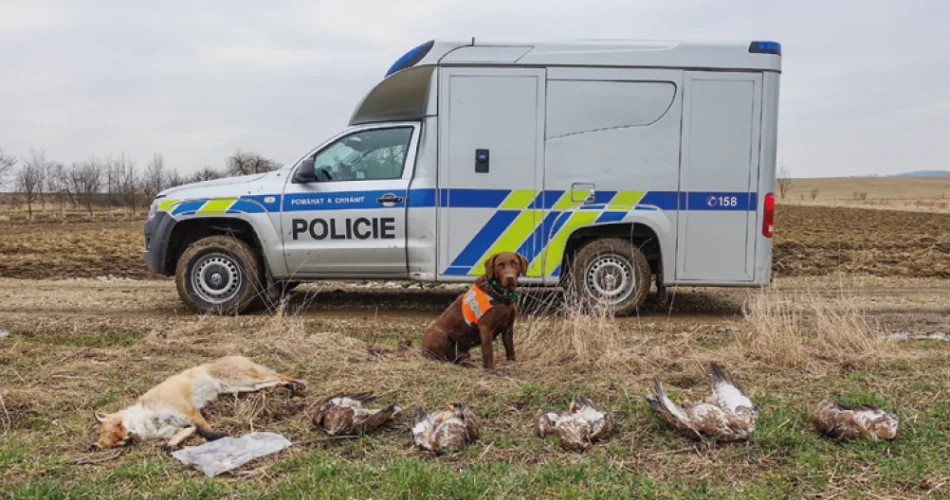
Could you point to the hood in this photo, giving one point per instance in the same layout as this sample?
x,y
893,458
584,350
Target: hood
x,y
212,187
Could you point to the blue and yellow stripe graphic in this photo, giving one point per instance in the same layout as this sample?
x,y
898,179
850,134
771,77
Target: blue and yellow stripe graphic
x,y
539,228
534,223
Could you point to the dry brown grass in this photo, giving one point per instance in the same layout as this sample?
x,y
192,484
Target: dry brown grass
x,y
67,373
803,328
563,332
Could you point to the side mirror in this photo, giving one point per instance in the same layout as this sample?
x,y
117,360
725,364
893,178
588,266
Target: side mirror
x,y
304,172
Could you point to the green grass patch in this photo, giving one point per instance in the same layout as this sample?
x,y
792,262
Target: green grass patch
x,y
83,339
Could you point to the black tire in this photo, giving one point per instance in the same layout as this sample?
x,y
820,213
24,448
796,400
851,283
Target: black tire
x,y
219,275
597,267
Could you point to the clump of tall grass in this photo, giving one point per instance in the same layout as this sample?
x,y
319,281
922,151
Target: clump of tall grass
x,y
565,331
792,328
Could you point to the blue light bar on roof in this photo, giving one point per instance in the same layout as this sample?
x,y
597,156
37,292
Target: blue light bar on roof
x,y
410,58
765,48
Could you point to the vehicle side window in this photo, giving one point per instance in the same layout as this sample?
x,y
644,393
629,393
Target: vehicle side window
x,y
366,155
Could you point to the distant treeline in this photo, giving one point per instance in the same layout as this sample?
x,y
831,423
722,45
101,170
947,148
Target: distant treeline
x,y
105,182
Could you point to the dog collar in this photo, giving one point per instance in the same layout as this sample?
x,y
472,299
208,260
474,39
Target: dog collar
x,y
501,294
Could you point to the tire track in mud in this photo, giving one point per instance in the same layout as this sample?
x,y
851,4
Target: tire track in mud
x,y
155,300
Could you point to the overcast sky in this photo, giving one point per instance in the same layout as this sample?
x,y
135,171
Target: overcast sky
x,y
865,84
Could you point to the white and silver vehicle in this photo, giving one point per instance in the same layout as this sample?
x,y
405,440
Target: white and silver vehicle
x,y
607,162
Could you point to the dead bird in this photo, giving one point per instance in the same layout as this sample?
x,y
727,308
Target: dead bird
x,y
727,415
345,415
579,427
850,422
446,430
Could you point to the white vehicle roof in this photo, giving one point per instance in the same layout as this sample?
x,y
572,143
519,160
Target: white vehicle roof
x,y
722,55
403,93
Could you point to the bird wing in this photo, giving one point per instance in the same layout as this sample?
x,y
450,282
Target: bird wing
x,y
362,397
354,400
600,429
599,421
673,414
849,422
548,421
876,423
726,391
373,420
450,434
324,407
573,433
713,421
330,399
421,429
825,417
471,423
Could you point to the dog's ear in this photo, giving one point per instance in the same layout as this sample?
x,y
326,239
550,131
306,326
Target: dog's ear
x,y
101,417
490,267
524,264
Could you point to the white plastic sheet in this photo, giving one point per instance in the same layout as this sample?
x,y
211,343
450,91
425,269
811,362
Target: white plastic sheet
x,y
230,453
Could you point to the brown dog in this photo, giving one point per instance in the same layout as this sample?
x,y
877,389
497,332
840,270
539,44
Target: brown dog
x,y
479,315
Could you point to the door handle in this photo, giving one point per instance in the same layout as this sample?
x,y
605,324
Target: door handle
x,y
577,191
389,198
591,196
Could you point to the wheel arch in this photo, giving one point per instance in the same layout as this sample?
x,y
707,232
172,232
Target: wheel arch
x,y
640,234
188,231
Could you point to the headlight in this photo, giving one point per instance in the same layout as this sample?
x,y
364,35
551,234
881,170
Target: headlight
x,y
152,210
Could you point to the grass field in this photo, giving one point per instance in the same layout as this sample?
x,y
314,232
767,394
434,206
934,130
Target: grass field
x,y
930,194
845,279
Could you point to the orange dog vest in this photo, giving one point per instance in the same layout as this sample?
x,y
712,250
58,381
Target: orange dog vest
x,y
475,304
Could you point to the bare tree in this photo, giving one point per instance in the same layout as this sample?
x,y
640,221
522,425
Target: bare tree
x,y
205,174
57,185
154,178
173,178
85,180
29,180
784,181
6,166
814,194
250,163
117,173
110,181
128,183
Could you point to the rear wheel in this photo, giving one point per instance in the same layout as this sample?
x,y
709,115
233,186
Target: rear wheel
x,y
610,274
219,275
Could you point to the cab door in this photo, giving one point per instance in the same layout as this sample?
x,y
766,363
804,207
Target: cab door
x,y
343,212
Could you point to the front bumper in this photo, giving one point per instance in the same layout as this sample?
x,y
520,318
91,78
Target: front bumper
x,y
156,242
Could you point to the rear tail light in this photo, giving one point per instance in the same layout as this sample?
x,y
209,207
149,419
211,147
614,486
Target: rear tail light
x,y
768,219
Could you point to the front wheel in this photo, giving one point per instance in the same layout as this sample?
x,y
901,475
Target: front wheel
x,y
219,274
610,274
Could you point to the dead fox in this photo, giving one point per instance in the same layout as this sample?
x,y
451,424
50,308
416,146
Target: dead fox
x,y
170,410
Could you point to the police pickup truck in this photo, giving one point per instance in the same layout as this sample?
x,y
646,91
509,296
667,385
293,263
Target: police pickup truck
x,y
609,165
